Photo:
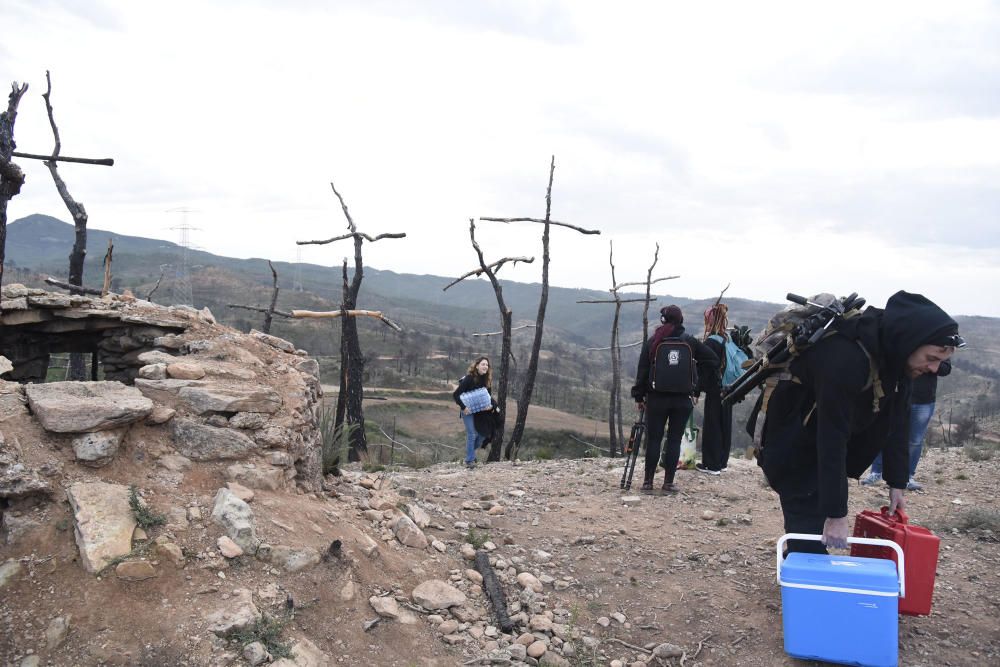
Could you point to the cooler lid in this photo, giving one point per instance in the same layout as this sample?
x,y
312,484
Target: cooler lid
x,y
848,572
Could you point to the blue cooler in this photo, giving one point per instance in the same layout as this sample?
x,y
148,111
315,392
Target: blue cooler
x,y
841,609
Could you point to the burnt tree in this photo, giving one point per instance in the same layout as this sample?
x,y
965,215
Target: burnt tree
x,y
77,367
352,362
615,426
505,325
271,310
524,399
11,176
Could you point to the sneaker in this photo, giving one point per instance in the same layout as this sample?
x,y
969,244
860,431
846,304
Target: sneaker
x,y
669,487
470,465
871,478
914,485
647,486
700,467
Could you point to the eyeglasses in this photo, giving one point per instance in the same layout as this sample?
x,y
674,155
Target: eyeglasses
x,y
954,340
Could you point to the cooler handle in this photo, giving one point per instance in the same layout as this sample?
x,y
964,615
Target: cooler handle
x,y
903,518
873,541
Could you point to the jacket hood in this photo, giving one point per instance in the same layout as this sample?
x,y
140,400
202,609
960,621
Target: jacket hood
x,y
909,321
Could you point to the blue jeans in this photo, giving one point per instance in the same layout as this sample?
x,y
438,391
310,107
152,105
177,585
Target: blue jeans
x,y
472,437
920,419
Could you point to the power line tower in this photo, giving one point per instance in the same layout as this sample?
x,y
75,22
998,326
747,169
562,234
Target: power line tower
x,y
182,293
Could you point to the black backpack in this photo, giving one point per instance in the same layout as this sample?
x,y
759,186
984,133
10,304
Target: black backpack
x,y
673,369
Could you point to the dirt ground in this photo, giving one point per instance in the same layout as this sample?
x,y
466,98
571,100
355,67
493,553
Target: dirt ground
x,y
692,579
703,582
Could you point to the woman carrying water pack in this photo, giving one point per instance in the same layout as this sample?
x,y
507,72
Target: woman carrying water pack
x,y
479,377
717,430
666,386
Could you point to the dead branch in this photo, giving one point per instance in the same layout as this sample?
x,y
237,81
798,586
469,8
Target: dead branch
x,y
645,308
59,283
149,295
494,592
551,222
104,161
107,268
371,239
643,282
350,313
717,301
495,266
75,208
700,645
599,349
627,645
11,175
614,301
498,333
257,309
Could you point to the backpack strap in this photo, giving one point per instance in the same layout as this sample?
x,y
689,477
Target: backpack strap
x,y
874,381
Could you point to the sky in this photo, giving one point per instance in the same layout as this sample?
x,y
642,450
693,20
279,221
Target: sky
x,y
777,146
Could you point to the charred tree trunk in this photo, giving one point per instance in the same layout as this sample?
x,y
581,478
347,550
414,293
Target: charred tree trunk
x,y
524,400
11,176
506,317
77,364
350,412
269,315
649,285
614,399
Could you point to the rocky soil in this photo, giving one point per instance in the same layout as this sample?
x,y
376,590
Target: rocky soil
x,y
589,579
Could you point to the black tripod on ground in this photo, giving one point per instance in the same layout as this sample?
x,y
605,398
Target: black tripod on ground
x,y
632,448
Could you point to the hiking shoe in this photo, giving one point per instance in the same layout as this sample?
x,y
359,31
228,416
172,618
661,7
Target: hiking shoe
x,y
871,478
914,485
700,467
669,487
647,486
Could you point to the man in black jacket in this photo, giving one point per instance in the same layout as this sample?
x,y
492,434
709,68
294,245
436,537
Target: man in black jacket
x,y
848,399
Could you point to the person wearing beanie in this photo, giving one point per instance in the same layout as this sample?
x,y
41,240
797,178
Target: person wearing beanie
x,y
668,406
847,400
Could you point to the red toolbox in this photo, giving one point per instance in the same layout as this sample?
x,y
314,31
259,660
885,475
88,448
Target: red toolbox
x,y
919,545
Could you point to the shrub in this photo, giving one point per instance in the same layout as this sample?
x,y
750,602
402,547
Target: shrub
x,y
476,538
977,453
267,631
145,517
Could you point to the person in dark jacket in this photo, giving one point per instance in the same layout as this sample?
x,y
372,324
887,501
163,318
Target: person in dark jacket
x,y
667,410
922,399
717,426
848,399
479,375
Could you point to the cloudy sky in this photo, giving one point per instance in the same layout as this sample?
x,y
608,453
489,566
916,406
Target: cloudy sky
x,y
780,146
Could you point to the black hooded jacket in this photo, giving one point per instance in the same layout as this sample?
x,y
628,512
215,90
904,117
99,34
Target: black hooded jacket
x,y
707,362
821,427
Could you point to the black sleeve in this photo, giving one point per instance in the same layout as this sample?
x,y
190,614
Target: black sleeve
x,y
944,368
709,379
836,378
464,385
896,451
641,375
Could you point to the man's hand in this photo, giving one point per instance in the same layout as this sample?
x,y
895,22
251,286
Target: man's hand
x,y
896,500
466,411
835,532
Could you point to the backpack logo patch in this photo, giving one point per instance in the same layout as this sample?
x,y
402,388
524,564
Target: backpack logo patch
x,y
674,357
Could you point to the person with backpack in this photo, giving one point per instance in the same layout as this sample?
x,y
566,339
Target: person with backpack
x,y
476,403
845,399
717,429
666,387
922,400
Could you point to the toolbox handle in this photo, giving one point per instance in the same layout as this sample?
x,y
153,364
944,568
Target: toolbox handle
x,y
873,541
903,518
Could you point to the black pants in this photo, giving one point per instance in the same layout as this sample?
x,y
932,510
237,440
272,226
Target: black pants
x,y
668,412
716,432
802,515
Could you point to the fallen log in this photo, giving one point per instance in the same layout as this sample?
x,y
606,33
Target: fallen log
x,y
494,592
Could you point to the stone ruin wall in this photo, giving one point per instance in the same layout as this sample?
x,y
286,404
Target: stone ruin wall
x,y
210,394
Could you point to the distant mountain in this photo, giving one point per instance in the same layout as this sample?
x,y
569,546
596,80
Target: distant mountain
x,y
43,243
